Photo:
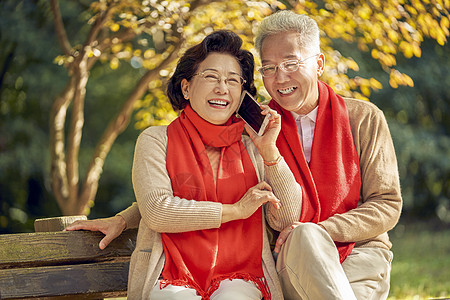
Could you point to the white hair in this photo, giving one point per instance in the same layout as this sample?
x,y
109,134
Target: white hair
x,y
289,21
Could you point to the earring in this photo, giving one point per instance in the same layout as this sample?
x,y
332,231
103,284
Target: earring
x,y
186,96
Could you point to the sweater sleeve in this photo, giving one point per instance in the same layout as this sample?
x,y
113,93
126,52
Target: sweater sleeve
x,y
288,191
284,187
160,210
131,215
380,198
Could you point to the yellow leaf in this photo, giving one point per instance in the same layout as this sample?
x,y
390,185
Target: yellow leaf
x,y
393,35
441,40
114,27
353,65
114,63
393,83
365,90
375,54
364,12
375,84
281,5
407,49
408,80
445,25
417,50
149,53
137,52
116,48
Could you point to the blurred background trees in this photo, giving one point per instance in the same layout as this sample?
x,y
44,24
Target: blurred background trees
x,y
74,74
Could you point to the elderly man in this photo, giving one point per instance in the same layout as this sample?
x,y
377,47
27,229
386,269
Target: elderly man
x,y
341,153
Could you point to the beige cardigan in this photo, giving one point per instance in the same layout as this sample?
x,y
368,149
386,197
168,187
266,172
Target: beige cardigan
x,y
162,212
380,201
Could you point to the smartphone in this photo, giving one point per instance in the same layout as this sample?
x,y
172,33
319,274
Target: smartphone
x,y
250,111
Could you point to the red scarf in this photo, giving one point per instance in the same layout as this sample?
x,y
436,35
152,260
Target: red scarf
x,y
201,259
331,183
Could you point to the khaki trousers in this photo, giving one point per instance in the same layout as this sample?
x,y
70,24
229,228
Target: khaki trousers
x,y
308,267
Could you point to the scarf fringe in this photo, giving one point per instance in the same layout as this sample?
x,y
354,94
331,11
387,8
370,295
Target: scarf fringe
x,y
187,283
260,282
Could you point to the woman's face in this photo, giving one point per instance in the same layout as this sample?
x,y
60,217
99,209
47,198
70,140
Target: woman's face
x,y
214,92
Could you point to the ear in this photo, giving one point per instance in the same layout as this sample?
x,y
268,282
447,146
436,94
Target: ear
x,y
320,64
185,88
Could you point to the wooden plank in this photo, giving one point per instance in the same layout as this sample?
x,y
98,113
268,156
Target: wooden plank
x,y
84,281
53,248
55,223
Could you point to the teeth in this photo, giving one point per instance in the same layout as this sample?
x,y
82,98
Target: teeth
x,y
218,102
287,91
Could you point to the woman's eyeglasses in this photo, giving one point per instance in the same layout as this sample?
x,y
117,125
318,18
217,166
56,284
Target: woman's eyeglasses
x,y
232,80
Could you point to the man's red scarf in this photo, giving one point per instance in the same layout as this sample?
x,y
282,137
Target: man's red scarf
x,y
201,259
331,183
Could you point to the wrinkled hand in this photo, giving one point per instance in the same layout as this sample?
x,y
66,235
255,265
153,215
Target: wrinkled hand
x,y
111,227
266,143
250,202
285,234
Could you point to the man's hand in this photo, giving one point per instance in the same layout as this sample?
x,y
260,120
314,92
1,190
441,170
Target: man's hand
x,y
111,227
285,234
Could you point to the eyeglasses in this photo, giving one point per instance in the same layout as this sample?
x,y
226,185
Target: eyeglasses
x,y
287,66
232,81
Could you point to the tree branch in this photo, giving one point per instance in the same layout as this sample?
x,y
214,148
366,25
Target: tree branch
x,y
75,131
116,126
59,28
80,74
124,36
58,170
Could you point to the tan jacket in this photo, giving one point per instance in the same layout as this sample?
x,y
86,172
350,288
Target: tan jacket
x,y
380,202
162,212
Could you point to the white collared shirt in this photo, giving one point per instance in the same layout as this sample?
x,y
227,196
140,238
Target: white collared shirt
x,y
305,128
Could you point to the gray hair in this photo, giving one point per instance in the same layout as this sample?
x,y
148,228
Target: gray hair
x,y
286,20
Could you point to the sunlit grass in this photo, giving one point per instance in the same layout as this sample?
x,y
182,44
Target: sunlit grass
x,y
421,266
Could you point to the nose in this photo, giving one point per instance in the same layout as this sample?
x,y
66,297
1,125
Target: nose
x,y
221,87
281,76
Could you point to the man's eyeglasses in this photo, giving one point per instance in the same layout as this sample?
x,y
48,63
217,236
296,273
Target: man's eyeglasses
x,y
232,81
287,66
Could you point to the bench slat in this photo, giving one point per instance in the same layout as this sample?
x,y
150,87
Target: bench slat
x,y
53,248
84,281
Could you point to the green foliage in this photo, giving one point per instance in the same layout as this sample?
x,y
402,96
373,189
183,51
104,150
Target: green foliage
x,y
421,132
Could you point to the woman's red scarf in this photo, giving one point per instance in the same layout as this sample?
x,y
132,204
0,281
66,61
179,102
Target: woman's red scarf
x,y
201,259
331,183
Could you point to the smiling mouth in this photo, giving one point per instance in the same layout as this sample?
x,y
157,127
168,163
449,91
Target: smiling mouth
x,y
287,90
219,103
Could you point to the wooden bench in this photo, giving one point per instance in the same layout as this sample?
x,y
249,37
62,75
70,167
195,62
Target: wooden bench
x,y
64,265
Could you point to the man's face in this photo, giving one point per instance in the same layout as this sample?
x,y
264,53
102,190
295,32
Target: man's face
x,y
294,91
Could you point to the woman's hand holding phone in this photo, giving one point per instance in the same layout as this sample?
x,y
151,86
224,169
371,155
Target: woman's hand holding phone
x,y
266,143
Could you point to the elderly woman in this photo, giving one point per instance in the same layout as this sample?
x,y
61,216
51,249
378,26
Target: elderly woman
x,y
201,186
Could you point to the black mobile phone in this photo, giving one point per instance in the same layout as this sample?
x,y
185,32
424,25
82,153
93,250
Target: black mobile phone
x,y
250,111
